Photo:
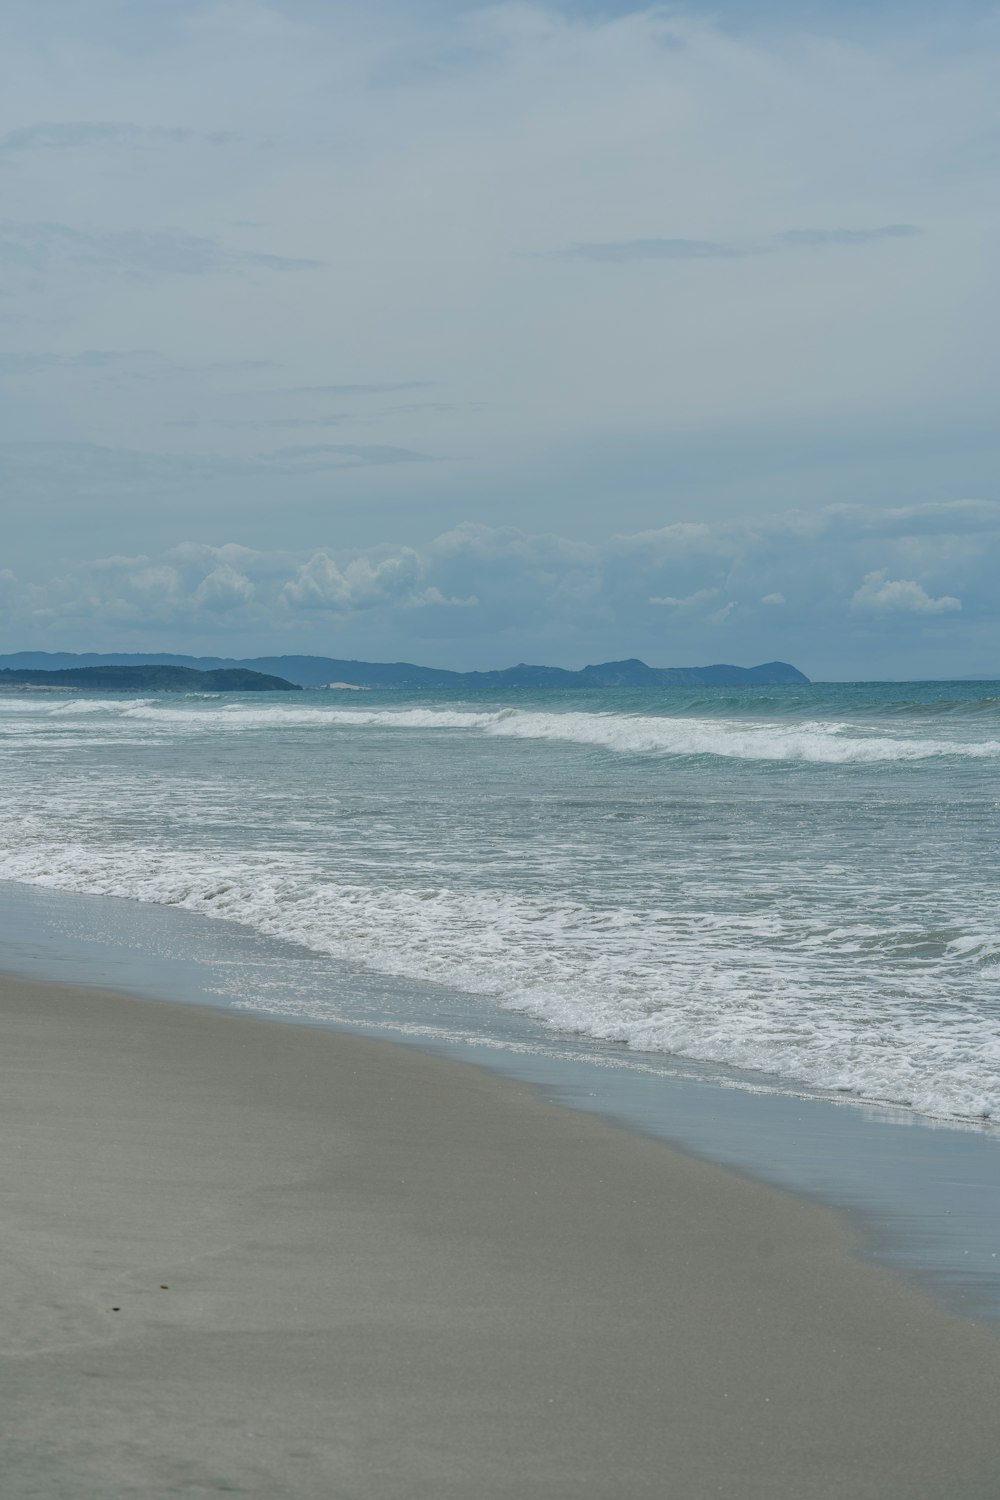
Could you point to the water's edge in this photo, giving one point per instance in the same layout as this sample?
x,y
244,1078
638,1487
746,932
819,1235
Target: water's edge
x,y
926,1199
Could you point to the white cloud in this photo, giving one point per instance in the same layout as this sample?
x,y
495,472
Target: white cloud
x,y
720,616
360,584
694,603
676,593
433,595
886,595
223,589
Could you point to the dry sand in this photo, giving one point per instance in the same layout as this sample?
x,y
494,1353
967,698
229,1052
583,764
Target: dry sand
x,y
345,1269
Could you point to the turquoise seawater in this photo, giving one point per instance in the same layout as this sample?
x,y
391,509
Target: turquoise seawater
x,y
802,882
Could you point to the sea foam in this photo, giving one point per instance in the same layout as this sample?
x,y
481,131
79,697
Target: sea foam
x,y
806,891
792,997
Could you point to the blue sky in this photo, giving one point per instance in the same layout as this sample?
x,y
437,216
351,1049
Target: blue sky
x,y
478,333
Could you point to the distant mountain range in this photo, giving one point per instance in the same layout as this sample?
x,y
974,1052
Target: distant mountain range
x,y
282,672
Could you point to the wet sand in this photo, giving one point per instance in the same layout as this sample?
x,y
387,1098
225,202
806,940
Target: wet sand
x,y
238,1257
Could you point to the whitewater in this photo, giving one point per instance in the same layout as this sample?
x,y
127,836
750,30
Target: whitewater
x,y
798,885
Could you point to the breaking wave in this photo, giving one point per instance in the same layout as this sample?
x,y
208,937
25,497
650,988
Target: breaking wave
x,y
817,741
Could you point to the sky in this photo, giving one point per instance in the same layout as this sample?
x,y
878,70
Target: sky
x,y
472,333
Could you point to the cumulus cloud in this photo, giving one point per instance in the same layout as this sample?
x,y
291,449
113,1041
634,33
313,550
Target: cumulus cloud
x,y
224,588
882,594
361,584
668,595
186,584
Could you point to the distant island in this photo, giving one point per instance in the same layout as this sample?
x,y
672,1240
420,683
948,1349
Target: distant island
x,y
163,672
117,678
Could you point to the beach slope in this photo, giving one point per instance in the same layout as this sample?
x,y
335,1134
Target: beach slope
x,y
264,1260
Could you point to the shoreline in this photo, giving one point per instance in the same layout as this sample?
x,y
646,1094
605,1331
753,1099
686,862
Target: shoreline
x,y
925,1200
343,1266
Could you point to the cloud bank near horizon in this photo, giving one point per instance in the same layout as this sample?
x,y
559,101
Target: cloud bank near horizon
x,y
868,581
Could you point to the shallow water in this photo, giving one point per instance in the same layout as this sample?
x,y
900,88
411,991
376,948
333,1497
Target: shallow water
x,y
794,884
926,1196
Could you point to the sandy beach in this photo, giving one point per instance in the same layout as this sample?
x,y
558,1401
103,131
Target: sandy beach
x,y
247,1258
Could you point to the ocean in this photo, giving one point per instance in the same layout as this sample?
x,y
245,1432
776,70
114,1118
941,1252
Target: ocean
x,y
780,889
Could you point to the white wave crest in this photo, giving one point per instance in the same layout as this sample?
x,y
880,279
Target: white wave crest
x,y
810,741
833,743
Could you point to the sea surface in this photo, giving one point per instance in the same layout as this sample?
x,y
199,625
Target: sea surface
x,y
792,889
